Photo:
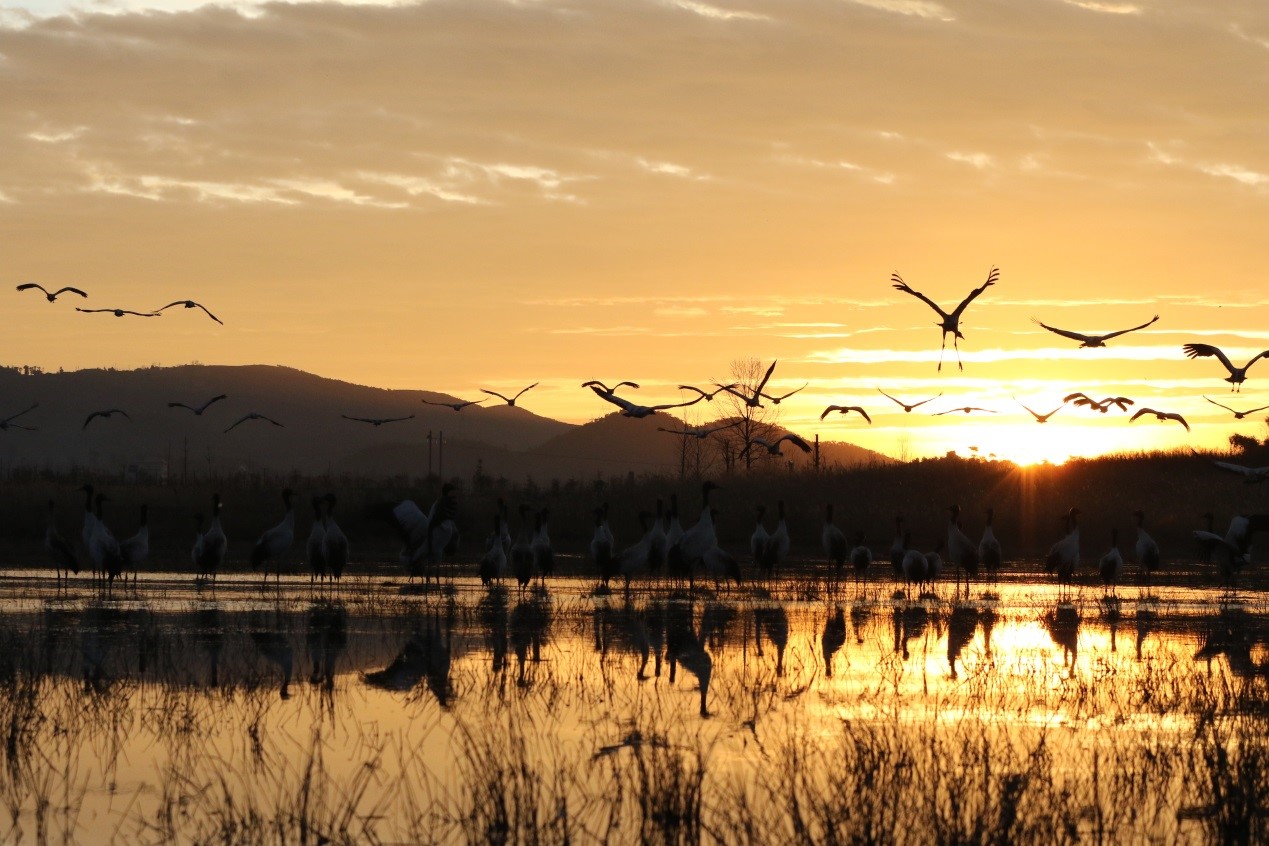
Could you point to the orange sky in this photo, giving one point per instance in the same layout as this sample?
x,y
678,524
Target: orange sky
x,y
455,195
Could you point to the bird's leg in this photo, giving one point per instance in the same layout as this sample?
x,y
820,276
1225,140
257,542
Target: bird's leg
x,y
956,345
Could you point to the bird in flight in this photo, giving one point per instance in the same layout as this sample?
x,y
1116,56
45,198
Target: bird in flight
x,y
773,447
1236,374
776,400
708,396
1251,475
117,312
377,421
507,400
700,434
198,410
104,413
7,423
595,382
950,323
457,406
1040,418
1238,415
1092,340
845,409
51,296
1102,405
191,304
750,401
908,407
1160,415
630,409
966,409
253,416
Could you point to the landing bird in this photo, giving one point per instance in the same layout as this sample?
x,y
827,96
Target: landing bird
x,y
845,409
1237,375
1238,415
1092,340
198,410
51,297
191,304
457,406
708,396
507,400
105,413
1251,475
252,416
117,312
7,423
1040,418
630,409
751,401
967,409
773,447
377,421
950,323
907,407
1161,415
777,400
699,434
1103,405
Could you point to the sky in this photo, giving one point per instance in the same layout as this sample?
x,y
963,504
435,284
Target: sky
x,y
483,194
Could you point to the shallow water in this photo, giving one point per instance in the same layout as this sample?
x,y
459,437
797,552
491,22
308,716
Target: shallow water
x,y
292,713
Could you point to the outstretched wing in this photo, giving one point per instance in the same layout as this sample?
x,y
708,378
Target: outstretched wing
x,y
216,398
677,404
1264,354
765,377
624,404
1227,408
900,285
26,286
534,385
1205,350
992,276
209,314
180,405
359,419
1074,336
491,393
23,411
1107,337
67,289
796,441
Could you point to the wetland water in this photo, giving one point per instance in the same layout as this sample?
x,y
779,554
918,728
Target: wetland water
x,y
773,713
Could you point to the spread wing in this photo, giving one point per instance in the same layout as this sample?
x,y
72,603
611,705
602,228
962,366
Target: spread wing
x,y
900,285
992,276
1110,335
1074,336
1205,350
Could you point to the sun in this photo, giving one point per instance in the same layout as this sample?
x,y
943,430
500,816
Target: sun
x,y
1028,443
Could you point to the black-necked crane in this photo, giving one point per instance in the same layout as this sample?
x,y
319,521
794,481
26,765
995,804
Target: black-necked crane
x,y
315,546
758,540
89,525
1237,375
601,548
117,312
860,557
377,421
658,543
104,414
776,400
275,542
689,550
773,447
708,396
597,386
934,563
845,409
962,550
989,552
700,433
718,563
1103,405
833,540
522,551
190,304
1238,415
211,545
103,548
908,406
51,296
252,415
1251,475
913,565
493,565
508,400
335,541
7,423
1064,556
633,561
965,409
1088,340
1160,415
1040,418
1111,565
777,548
427,536
458,405
632,409
1146,549
59,549
137,547
898,546
543,552
673,525
751,400
949,322
199,409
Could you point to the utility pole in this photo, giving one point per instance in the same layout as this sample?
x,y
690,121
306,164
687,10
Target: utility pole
x,y
440,455
817,452
429,453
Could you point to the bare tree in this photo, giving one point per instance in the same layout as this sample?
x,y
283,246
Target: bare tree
x,y
754,421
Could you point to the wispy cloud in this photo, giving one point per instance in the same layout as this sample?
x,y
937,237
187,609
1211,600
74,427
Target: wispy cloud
x,y
913,8
981,161
705,10
1106,8
841,165
1120,353
1238,173
417,186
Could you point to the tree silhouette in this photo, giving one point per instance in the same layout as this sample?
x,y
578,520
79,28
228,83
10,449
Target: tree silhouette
x,y
755,422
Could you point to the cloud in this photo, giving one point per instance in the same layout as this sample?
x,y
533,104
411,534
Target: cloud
x,y
847,355
1106,8
705,10
914,8
1238,173
981,161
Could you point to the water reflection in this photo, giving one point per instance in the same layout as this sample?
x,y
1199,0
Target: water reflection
x,y
1063,624
833,639
424,659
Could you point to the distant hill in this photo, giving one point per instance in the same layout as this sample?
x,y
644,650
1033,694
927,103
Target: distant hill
x,y
501,440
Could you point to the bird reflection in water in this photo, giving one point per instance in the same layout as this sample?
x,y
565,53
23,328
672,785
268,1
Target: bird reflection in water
x,y
1112,614
909,624
491,611
833,639
683,646
773,622
326,640
859,615
529,623
425,658
1063,625
961,624
632,628
209,640
275,645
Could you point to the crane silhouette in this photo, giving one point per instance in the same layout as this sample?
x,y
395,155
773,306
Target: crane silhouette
x,y
1092,340
950,322
1237,375
51,296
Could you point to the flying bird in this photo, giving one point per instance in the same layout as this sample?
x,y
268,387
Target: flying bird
x,y
7,423
701,433
1102,405
1237,375
906,406
950,323
457,406
252,416
845,409
1040,418
1238,415
1092,340
198,410
708,396
773,447
967,409
117,312
106,413
51,296
776,400
595,382
377,421
630,409
751,401
1160,415
191,304
507,400
1251,475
